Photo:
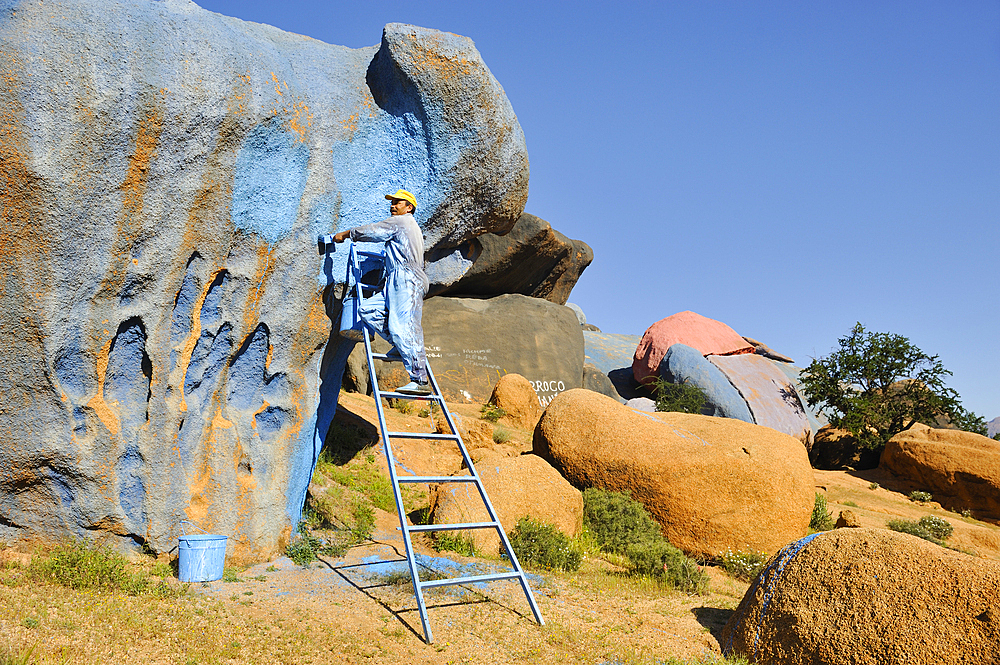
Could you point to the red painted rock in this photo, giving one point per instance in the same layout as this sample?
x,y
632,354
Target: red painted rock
x,y
711,483
706,335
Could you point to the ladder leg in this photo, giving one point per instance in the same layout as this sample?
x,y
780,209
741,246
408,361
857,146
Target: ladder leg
x,y
411,561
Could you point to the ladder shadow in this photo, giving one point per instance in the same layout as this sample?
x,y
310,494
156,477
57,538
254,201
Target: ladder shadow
x,y
479,597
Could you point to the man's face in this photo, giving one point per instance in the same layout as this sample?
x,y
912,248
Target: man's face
x,y
399,206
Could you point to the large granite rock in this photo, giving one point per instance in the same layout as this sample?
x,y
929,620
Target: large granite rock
x,y
522,486
532,259
596,380
683,364
961,469
817,420
165,172
993,427
711,483
708,336
869,597
472,342
768,392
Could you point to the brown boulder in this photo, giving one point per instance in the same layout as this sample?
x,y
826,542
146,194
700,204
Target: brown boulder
x,y
834,449
848,520
869,597
514,394
520,486
711,483
961,469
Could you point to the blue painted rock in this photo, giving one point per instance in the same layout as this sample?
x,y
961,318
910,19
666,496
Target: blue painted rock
x,y
815,417
608,351
532,259
706,335
683,364
165,173
711,483
868,597
771,397
470,345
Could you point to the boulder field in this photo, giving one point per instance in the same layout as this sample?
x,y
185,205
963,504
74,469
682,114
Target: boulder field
x,y
869,597
165,173
711,483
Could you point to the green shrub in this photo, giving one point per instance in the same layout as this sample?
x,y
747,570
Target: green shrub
x,y
821,519
680,397
80,565
491,413
404,406
660,559
929,527
230,575
501,434
874,486
742,565
920,497
455,542
543,545
936,526
616,521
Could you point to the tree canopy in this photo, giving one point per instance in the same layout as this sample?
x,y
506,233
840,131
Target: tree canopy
x,y
879,384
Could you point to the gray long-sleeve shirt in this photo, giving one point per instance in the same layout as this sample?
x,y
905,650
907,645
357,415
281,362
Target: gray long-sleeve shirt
x,y
404,243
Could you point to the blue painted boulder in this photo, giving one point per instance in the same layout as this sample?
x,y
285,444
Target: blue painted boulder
x,y
683,364
165,173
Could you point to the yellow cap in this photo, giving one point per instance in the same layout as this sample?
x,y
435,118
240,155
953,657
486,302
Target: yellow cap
x,y
403,194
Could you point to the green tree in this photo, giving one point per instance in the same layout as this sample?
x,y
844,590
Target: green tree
x,y
879,384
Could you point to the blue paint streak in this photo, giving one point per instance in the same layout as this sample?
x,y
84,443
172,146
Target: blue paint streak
x,y
768,579
270,176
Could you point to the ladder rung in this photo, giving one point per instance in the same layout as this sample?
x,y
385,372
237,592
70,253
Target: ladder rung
x,y
408,396
471,580
437,479
424,435
453,527
387,358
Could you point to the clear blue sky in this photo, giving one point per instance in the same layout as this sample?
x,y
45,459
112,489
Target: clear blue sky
x,y
788,168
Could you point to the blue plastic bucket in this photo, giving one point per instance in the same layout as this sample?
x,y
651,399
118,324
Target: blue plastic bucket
x,y
350,320
201,557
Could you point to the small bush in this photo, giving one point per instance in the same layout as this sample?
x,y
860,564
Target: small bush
x,y
661,560
851,504
491,413
966,513
821,519
455,542
424,413
937,526
928,527
920,497
616,520
679,397
230,575
80,565
543,545
874,486
742,565
403,406
501,434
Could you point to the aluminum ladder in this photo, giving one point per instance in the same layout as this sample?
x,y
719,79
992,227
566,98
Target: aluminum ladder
x,y
354,284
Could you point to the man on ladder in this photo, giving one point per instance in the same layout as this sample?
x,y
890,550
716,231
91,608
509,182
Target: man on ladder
x,y
405,284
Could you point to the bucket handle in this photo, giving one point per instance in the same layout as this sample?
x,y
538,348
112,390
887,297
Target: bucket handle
x,y
184,532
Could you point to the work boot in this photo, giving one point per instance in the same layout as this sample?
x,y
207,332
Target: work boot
x,y
415,388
